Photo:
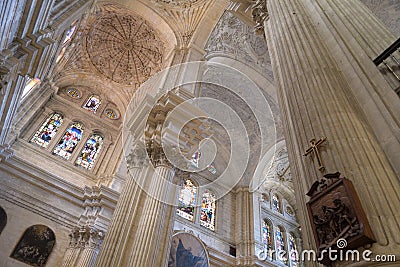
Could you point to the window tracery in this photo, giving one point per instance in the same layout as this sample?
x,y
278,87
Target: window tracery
x,y
207,211
48,130
69,141
90,152
187,200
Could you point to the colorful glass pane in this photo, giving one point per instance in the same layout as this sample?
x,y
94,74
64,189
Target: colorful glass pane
x,y
187,200
207,212
47,131
294,254
275,203
90,152
212,169
111,114
69,141
69,34
195,158
267,238
74,93
92,104
280,244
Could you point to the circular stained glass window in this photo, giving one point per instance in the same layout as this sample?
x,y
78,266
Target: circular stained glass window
x,y
111,114
289,211
74,93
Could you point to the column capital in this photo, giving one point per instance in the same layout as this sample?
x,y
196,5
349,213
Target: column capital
x,y
85,236
136,158
259,14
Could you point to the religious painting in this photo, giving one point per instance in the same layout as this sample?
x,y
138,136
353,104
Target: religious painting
x,y
187,251
90,152
35,246
69,141
48,129
3,219
92,104
207,210
187,200
335,213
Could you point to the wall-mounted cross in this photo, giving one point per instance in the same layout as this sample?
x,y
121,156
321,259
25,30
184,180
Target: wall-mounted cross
x,y
314,148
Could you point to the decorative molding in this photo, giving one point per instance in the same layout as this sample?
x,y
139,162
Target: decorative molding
x,y
259,13
130,50
86,236
233,38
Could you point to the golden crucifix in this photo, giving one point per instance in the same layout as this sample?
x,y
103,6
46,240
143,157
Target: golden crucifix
x,y
314,148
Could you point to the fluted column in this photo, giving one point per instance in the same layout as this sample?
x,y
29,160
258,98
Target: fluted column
x,y
84,245
120,227
154,231
316,100
245,243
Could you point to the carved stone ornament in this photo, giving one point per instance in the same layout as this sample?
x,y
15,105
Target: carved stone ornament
x,y
335,213
85,237
259,13
136,158
124,48
178,3
3,80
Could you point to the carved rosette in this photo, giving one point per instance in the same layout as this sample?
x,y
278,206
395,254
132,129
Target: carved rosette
x,y
85,237
124,48
259,13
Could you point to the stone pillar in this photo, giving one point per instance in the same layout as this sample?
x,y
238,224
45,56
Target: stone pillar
x,y
154,230
316,100
120,227
84,245
245,243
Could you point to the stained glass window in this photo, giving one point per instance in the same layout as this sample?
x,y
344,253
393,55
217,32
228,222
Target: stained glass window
x,y
90,152
195,158
280,243
47,131
187,200
207,212
70,33
276,203
92,104
69,141
267,237
294,254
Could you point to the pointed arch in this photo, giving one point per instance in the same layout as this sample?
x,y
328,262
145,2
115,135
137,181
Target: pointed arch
x,y
69,141
48,130
187,199
208,210
90,151
35,245
3,219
